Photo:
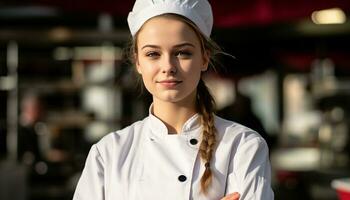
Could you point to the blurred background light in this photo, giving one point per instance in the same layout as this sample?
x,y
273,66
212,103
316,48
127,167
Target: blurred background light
x,y
329,16
62,53
60,34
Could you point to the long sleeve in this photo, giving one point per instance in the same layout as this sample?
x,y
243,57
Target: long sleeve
x,y
91,182
250,171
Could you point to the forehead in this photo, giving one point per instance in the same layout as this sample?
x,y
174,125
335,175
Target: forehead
x,y
165,30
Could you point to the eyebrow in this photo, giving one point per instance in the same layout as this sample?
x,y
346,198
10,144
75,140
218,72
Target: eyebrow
x,y
176,46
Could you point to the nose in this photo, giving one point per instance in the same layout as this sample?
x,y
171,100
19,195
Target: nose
x,y
168,65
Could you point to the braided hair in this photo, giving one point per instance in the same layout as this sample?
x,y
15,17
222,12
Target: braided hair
x,y
205,106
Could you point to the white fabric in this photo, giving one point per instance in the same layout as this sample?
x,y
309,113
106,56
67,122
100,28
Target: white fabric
x,y
198,11
143,161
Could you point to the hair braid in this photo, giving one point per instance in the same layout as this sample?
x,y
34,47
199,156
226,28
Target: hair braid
x,y
206,106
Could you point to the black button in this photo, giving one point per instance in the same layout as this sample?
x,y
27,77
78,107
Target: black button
x,y
182,178
194,141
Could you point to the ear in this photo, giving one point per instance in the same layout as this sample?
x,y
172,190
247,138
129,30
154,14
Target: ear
x,y
206,59
137,64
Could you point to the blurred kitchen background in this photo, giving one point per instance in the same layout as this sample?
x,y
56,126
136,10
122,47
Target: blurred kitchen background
x,y
65,82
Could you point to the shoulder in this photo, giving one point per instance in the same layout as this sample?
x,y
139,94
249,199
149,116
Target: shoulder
x,y
237,134
233,129
122,140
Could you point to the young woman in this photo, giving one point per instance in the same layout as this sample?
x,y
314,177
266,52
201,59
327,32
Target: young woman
x,y
182,150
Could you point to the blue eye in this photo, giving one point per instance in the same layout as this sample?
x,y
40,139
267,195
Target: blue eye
x,y
183,54
152,54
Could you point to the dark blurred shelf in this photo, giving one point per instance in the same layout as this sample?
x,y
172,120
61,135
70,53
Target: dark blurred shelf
x,y
63,36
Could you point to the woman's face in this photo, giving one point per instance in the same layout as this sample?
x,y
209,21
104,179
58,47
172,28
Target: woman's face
x,y
169,59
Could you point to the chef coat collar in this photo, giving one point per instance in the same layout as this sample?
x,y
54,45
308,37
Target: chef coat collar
x,y
158,127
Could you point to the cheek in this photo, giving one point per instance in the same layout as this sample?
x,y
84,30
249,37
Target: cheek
x,y
142,66
193,74
194,68
147,71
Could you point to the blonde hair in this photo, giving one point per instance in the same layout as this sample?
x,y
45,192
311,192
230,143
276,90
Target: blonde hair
x,y
205,104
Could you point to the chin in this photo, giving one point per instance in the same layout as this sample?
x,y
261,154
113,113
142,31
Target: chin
x,y
172,99
175,96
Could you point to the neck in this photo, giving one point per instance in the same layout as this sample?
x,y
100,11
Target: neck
x,y
173,115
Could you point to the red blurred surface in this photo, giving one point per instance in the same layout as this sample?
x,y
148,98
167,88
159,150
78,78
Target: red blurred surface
x,y
227,13
343,195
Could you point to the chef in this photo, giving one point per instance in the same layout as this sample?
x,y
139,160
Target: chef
x,y
181,150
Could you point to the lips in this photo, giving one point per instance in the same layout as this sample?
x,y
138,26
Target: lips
x,y
169,83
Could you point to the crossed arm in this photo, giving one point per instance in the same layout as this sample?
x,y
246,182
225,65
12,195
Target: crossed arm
x,y
232,196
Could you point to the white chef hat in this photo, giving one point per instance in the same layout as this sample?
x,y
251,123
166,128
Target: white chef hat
x,y
198,11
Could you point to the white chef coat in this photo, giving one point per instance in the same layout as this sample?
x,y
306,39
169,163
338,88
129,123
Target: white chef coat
x,y
143,161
